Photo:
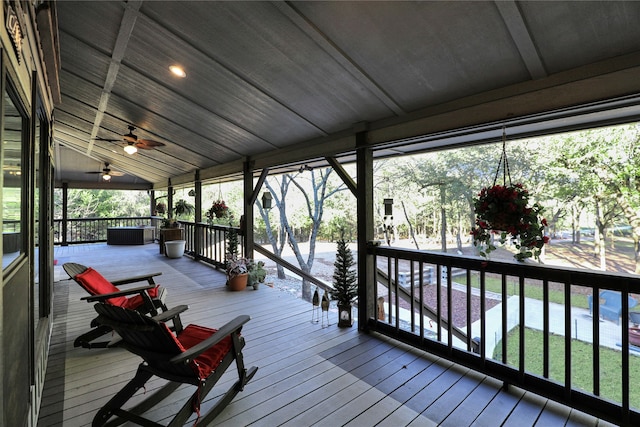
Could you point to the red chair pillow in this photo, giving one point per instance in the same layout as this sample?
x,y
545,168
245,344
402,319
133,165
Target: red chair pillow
x,y
208,361
96,284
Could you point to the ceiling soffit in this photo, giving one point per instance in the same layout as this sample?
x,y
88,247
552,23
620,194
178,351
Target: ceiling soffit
x,y
274,82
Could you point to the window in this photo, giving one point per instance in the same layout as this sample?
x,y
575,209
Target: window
x,y
14,179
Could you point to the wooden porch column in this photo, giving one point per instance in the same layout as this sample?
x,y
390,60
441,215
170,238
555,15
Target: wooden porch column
x,y
169,198
247,224
152,202
198,229
366,277
65,217
198,201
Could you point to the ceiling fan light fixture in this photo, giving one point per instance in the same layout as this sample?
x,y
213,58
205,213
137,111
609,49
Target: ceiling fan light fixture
x,y
178,71
106,177
130,149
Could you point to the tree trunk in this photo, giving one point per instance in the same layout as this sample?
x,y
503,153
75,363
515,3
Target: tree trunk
x,y
599,238
633,218
411,233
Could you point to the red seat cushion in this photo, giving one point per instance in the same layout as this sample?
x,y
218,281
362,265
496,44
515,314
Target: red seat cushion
x,y
208,361
96,284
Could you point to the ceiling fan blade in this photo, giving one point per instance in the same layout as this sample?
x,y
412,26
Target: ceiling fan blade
x,y
116,173
148,143
107,139
95,172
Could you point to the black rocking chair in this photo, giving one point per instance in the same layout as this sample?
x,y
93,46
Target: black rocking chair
x,y
196,355
147,299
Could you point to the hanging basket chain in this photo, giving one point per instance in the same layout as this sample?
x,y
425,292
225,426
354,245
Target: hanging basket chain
x,y
503,163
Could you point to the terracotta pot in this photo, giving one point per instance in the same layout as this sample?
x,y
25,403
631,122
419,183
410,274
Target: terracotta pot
x,y
238,283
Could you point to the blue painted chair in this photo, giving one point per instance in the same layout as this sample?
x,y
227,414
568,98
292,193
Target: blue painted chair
x,y
611,305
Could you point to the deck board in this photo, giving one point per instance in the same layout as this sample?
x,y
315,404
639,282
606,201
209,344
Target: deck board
x,y
308,374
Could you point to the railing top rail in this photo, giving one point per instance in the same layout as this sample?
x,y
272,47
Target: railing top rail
x,y
601,279
291,267
111,218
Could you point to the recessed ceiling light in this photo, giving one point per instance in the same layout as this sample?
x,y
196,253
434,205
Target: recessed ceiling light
x,y
178,71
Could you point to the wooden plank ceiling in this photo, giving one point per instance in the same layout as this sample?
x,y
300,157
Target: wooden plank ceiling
x,y
265,78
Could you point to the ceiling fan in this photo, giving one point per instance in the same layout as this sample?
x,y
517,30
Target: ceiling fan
x,y
107,173
133,143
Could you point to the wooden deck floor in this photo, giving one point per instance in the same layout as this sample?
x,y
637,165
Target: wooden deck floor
x,y
308,375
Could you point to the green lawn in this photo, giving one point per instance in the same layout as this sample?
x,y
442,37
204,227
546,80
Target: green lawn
x,y
531,290
582,363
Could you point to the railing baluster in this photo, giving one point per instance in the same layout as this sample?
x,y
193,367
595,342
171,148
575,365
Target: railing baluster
x,y
439,301
595,316
389,291
567,339
624,329
412,293
505,313
468,315
396,292
449,307
545,328
521,302
421,298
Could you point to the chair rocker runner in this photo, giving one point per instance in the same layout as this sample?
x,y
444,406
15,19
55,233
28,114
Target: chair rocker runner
x,y
144,299
197,355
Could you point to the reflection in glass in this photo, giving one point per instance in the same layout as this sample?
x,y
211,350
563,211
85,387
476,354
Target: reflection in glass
x,y
12,169
36,229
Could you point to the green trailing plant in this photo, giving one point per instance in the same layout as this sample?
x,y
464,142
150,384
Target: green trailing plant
x,y
345,286
183,208
232,241
257,272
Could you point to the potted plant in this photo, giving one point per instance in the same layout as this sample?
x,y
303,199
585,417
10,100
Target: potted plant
x,y
183,207
161,208
170,222
345,286
257,274
219,209
237,272
504,210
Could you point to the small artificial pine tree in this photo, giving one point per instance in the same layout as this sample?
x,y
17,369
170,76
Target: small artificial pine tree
x,y
232,242
345,286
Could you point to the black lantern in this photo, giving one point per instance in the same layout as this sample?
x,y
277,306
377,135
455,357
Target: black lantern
x,y
388,207
345,315
266,200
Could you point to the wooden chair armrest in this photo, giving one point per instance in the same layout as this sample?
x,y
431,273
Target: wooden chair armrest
x,y
171,313
234,325
134,279
139,290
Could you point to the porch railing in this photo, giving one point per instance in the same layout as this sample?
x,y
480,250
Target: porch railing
x,y
94,230
208,243
473,312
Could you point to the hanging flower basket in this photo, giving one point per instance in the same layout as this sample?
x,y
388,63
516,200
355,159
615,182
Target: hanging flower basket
x,y
504,210
218,210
